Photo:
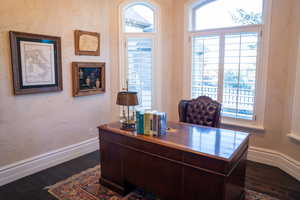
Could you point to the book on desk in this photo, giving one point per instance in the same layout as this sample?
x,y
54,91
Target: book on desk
x,y
151,123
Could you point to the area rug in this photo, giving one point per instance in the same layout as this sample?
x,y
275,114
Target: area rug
x,y
85,186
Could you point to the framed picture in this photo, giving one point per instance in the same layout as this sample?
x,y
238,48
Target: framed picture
x,y
87,43
36,63
88,78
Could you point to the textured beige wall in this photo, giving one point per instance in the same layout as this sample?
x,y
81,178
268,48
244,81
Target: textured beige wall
x,y
35,124
285,27
276,82
289,146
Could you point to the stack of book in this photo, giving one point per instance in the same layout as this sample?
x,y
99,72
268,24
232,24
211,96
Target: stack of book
x,y
151,123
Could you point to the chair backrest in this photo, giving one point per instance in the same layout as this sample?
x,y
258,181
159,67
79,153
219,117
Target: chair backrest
x,y
203,111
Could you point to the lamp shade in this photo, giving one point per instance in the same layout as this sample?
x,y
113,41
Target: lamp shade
x,y
127,98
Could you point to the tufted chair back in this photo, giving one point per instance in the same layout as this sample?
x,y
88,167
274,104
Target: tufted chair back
x,y
203,111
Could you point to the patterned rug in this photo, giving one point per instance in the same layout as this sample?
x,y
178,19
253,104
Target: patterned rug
x,y
85,186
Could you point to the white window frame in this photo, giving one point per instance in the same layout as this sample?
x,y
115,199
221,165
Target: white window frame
x,y
155,36
262,61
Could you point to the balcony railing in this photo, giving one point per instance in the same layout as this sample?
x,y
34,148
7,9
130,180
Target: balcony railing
x,y
235,103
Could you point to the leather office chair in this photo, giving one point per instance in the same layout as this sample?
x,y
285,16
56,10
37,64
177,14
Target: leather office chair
x,y
202,111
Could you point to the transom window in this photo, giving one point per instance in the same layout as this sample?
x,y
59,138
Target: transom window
x,y
138,18
213,14
225,46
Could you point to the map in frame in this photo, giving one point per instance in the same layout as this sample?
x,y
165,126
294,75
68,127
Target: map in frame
x,y
37,63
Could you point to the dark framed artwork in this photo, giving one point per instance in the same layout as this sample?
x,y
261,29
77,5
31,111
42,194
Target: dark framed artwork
x,y
36,63
87,43
88,78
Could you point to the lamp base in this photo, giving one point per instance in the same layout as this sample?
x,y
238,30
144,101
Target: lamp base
x,y
128,126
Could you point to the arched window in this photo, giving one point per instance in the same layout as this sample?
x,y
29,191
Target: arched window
x,y
138,18
138,35
225,45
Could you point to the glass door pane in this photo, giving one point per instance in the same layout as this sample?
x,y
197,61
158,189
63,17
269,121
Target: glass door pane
x,y
139,69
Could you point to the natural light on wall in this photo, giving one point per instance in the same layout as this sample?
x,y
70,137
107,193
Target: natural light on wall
x,y
295,125
225,36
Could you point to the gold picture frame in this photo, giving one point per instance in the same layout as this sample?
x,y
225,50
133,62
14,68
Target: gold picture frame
x,y
88,78
87,43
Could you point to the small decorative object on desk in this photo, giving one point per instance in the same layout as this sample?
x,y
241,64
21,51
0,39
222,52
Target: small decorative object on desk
x,y
151,123
127,98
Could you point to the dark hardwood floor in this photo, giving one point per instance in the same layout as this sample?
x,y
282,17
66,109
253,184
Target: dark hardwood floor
x,y
272,181
261,178
32,187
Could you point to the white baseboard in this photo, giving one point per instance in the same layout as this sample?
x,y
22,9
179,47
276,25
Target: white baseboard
x,y
12,172
276,159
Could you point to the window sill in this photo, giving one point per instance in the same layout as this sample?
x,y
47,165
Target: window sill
x,y
294,137
242,126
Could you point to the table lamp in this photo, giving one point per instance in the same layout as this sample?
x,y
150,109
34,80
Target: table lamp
x,y
127,98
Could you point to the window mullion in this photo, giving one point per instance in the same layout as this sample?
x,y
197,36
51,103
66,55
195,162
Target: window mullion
x,y
239,77
221,67
258,72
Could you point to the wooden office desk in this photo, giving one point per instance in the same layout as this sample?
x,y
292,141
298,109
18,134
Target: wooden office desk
x,y
191,163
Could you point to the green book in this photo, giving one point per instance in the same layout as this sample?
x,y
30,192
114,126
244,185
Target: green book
x,y
140,122
137,120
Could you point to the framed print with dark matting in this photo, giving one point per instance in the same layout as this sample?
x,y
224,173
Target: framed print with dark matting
x,y
88,78
36,62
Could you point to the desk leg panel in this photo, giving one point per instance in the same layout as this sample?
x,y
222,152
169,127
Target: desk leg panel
x,y
199,184
111,166
235,183
153,174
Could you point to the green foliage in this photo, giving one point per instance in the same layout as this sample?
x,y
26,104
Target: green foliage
x,y
231,81
243,17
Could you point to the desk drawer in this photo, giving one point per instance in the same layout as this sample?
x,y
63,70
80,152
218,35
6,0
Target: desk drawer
x,y
158,150
142,146
208,163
